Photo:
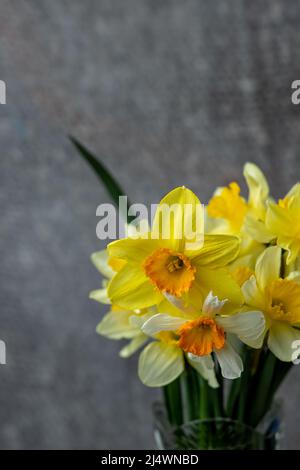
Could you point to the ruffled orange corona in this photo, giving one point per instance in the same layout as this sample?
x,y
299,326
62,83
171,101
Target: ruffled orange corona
x,y
169,271
200,337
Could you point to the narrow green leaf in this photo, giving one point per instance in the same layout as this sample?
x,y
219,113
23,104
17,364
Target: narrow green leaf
x,y
111,185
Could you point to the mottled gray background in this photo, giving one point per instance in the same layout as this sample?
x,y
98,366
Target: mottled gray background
x,y
167,93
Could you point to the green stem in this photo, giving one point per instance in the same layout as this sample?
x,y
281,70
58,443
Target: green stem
x,y
262,388
204,403
173,402
244,385
235,388
203,413
189,393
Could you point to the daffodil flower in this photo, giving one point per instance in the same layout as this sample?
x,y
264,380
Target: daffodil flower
x,y
230,210
157,264
283,221
198,335
278,299
118,324
107,267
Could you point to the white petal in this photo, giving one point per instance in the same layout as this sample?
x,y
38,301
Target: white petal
x,y
207,360
212,304
133,346
248,326
100,261
160,364
230,362
179,303
204,365
294,276
162,322
100,295
282,341
116,325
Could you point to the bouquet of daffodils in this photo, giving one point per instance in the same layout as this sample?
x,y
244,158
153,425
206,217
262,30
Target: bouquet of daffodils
x,y
209,297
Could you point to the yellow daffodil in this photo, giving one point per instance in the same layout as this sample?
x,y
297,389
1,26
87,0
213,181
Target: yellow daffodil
x,y
199,334
230,209
283,221
278,299
157,264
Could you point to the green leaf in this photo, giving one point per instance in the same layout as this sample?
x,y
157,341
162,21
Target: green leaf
x,y
112,187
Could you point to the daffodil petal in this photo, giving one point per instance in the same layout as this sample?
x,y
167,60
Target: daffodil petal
x,y
180,304
217,251
135,344
212,304
220,282
100,295
173,213
100,261
159,364
252,295
278,220
135,250
282,339
267,268
230,362
116,325
248,326
131,289
294,276
258,186
257,230
293,248
162,322
204,365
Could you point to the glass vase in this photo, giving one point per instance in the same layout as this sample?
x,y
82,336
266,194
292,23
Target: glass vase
x,y
218,433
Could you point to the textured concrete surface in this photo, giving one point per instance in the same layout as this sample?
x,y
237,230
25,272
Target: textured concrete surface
x,y
167,93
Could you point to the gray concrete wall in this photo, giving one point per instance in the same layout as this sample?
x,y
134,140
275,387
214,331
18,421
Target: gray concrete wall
x,y
167,93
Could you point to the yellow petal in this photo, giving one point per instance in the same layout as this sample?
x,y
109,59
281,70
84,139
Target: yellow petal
x,y
160,364
252,295
174,215
258,188
258,230
131,289
132,249
217,251
221,283
267,268
279,221
228,205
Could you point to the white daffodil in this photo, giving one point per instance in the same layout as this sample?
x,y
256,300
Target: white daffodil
x,y
122,324
107,267
198,335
